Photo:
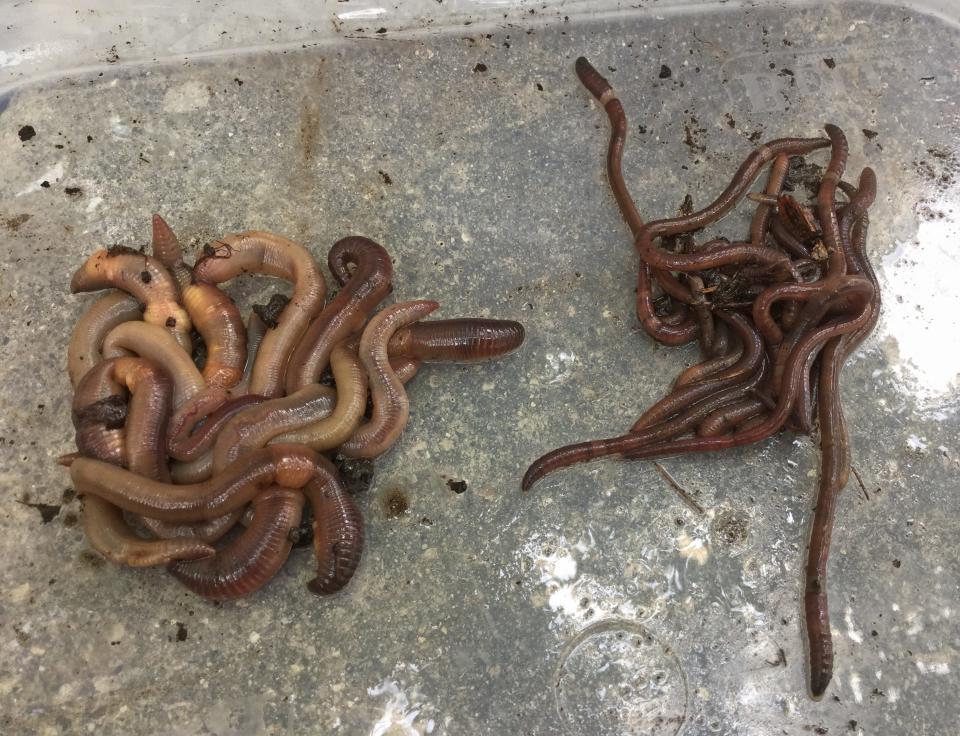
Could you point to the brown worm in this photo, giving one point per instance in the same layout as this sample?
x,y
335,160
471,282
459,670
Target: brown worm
x,y
218,321
203,438
146,279
329,431
167,250
99,415
346,313
251,560
460,340
110,535
761,216
391,407
337,530
256,329
156,345
290,466
271,255
110,310
256,426
104,525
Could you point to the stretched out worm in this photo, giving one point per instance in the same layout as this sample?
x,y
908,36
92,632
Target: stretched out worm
x,y
145,278
461,339
271,255
290,466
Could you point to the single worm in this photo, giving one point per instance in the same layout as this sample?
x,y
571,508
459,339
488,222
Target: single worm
x,y
290,466
391,407
337,530
825,197
347,311
251,560
334,428
145,428
143,277
110,535
256,329
99,415
218,321
167,250
203,438
462,339
158,346
729,417
761,216
272,255
256,426
110,310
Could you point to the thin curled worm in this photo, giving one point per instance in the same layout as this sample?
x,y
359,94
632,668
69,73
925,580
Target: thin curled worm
x,y
391,407
256,426
337,530
347,312
272,255
203,438
461,339
328,432
670,334
251,560
143,277
290,466
86,342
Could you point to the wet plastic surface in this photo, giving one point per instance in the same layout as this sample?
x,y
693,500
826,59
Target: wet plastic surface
x,y
599,603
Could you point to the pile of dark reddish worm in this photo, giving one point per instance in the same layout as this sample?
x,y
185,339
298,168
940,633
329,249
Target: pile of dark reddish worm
x,y
201,438
775,314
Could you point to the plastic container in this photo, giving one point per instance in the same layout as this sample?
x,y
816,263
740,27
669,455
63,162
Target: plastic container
x,y
457,134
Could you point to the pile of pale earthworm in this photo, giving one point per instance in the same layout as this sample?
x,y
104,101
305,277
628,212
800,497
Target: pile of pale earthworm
x,y
200,438
775,314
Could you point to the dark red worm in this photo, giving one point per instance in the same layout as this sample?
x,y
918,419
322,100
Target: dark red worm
x,y
337,530
251,560
461,339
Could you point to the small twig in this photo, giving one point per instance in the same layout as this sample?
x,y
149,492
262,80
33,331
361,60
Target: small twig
x,y
860,481
681,491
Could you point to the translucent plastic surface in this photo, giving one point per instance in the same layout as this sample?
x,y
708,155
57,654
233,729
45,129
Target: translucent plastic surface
x,y
460,138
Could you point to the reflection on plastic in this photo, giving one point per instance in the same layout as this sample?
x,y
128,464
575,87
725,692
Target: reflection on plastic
x,y
920,316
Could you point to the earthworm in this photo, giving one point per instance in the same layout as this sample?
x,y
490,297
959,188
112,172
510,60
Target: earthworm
x,y
391,407
256,426
99,415
461,339
256,329
272,255
825,197
110,310
248,562
337,530
786,239
347,312
110,535
143,277
167,250
218,321
156,345
290,466
332,429
729,417
203,438
145,428
761,216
